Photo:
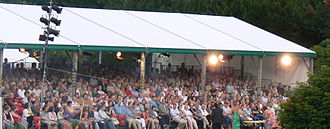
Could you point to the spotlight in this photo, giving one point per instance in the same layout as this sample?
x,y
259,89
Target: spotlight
x,y
44,37
213,59
52,31
286,60
166,54
44,20
220,57
57,9
22,50
118,54
46,8
55,21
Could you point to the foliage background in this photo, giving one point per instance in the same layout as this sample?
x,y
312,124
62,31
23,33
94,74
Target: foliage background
x,y
309,103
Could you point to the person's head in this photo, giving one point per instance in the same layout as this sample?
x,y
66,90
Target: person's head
x,y
69,103
7,108
185,107
154,108
174,106
203,107
26,106
103,107
51,109
264,108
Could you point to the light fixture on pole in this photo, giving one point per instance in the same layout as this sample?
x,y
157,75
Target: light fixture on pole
x,y
46,37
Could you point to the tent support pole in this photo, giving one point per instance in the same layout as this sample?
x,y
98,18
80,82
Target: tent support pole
x,y
260,71
1,111
1,84
242,67
1,68
41,58
203,74
275,68
311,65
142,71
74,71
100,57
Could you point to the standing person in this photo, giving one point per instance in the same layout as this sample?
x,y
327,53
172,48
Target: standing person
x,y
217,117
236,121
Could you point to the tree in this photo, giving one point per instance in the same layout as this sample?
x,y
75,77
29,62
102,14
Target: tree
x,y
309,103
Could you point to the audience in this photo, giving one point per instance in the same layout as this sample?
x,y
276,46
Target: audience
x,y
168,98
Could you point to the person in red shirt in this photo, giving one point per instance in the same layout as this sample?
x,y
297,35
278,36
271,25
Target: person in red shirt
x,y
128,92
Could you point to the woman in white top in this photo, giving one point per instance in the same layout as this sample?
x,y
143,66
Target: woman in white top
x,y
203,115
188,117
27,116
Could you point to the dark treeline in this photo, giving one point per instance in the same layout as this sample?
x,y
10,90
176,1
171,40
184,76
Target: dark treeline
x,y
306,22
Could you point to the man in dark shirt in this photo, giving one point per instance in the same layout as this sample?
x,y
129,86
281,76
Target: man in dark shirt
x,y
217,117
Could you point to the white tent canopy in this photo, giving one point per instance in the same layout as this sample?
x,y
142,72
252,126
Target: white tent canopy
x,y
14,55
138,31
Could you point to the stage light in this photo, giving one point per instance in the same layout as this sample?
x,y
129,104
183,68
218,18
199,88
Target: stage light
x,y
44,20
118,54
220,57
44,37
213,59
22,50
57,9
46,8
55,21
52,31
286,60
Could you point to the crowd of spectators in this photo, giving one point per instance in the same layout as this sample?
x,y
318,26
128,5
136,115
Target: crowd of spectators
x,y
115,98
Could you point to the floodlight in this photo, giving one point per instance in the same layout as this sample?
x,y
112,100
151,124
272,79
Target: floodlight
x,y
118,54
213,59
46,8
21,50
44,37
286,60
55,21
52,31
44,20
220,57
57,9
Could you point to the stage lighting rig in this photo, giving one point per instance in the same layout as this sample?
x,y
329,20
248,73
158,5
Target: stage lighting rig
x,y
48,20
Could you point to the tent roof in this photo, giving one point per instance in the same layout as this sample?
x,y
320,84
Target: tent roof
x,y
139,31
28,60
14,55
